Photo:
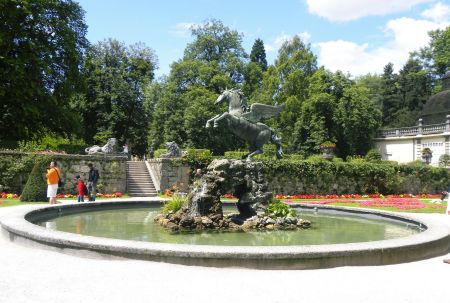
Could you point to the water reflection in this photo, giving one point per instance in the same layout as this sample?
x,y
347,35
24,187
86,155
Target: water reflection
x,y
137,224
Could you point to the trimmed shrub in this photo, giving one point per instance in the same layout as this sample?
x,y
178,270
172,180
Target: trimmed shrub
x,y
14,171
373,155
36,187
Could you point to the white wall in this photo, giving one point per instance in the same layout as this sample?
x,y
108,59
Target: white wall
x,y
401,151
406,149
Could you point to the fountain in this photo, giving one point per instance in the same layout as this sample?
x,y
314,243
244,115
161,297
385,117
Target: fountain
x,y
283,249
245,180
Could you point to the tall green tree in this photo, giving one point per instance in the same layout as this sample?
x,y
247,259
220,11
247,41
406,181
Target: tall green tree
x,y
391,101
287,82
41,48
258,54
117,77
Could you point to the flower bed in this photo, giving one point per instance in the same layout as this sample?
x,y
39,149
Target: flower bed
x,y
8,195
356,196
99,195
395,203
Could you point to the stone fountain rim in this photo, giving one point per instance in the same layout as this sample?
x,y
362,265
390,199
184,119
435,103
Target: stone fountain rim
x,y
434,241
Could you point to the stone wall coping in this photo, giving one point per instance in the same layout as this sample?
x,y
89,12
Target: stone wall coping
x,y
74,156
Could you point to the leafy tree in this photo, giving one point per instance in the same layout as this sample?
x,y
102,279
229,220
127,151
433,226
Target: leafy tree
x,y
41,47
436,56
213,61
357,120
253,80
113,106
213,41
374,84
287,82
258,54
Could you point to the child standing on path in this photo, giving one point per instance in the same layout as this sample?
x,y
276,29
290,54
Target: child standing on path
x,y
81,187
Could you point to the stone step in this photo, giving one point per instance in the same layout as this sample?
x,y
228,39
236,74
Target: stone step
x,y
144,195
138,174
139,181
147,192
140,187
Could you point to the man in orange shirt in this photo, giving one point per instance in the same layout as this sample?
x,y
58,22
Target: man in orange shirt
x,y
52,181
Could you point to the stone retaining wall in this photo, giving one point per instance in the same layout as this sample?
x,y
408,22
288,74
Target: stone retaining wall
x,y
112,170
167,175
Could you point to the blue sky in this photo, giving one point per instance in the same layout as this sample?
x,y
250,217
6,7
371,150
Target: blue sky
x,y
355,36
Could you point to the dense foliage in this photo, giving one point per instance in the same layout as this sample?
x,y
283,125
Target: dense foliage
x,y
54,85
41,48
175,204
113,105
14,171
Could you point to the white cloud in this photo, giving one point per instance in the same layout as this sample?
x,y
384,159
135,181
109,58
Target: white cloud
x,y
183,29
438,13
406,35
279,40
346,10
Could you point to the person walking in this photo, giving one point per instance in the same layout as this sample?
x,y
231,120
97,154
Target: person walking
x,y
53,177
92,181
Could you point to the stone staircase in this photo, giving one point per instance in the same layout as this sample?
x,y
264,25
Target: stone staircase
x,y
139,182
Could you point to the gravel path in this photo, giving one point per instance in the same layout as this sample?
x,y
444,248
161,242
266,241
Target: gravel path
x,y
37,275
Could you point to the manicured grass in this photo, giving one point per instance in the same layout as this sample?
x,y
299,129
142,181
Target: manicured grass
x,y
430,207
15,202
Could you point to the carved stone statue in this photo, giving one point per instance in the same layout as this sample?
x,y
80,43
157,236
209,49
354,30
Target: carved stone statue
x,y
109,148
173,151
243,121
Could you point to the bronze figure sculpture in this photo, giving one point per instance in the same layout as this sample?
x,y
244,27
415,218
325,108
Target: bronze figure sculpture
x,y
243,121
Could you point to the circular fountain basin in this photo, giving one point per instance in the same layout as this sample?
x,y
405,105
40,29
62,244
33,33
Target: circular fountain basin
x,y
395,239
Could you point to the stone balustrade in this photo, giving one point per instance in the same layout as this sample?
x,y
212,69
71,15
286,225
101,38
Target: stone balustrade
x,y
420,129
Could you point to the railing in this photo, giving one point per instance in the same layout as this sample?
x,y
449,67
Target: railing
x,y
434,128
416,130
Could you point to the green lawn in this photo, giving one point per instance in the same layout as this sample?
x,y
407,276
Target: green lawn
x,y
430,207
15,202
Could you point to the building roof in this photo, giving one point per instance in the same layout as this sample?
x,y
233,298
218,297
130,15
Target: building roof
x,y
438,106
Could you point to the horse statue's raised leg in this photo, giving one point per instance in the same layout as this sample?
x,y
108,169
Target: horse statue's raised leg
x,y
223,116
208,123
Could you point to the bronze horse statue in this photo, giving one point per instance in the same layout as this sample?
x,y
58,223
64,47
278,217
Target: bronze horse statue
x,y
243,121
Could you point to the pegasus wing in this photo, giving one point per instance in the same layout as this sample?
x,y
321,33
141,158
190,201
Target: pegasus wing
x,y
260,111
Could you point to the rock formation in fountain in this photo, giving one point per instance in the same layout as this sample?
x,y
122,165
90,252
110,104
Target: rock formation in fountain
x,y
245,180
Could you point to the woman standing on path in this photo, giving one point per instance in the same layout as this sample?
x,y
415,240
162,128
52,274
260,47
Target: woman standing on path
x,y
53,174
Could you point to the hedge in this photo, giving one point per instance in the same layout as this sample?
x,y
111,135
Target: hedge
x,y
325,177
36,188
